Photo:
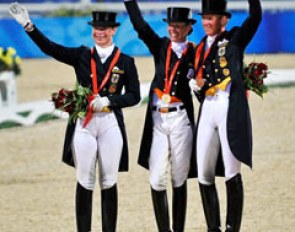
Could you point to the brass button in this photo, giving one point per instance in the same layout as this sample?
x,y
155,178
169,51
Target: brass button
x,y
226,72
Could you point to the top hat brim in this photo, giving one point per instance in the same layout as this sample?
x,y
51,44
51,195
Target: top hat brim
x,y
191,21
227,14
104,24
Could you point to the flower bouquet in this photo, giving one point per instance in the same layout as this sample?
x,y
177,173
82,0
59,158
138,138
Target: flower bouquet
x,y
9,61
74,102
254,74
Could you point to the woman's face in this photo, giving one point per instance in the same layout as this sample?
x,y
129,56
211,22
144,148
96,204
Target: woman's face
x,y
103,36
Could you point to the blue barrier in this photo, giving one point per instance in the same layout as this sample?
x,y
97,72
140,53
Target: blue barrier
x,y
274,34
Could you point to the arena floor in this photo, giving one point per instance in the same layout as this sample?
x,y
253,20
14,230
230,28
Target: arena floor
x,y
37,189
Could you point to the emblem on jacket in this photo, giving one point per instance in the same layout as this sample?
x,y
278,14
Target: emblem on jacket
x,y
116,72
222,59
222,45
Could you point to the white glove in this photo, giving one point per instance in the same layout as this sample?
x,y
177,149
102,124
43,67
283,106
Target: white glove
x,y
193,85
98,103
20,14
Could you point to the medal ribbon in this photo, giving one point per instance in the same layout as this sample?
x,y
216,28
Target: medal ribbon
x,y
169,79
95,87
107,76
198,65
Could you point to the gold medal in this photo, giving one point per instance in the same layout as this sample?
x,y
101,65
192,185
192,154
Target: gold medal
x,y
225,72
166,98
222,62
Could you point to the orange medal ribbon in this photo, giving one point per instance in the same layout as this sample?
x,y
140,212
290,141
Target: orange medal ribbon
x,y
107,76
95,87
168,80
198,67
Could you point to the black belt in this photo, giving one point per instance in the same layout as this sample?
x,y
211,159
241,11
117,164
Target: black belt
x,y
167,109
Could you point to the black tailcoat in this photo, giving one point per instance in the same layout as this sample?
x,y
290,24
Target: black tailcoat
x,y
79,59
158,47
230,46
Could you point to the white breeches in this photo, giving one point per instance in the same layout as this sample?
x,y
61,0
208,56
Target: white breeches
x,y
211,134
99,142
171,148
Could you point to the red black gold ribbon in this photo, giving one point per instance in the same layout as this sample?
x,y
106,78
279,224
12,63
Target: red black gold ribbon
x,y
95,86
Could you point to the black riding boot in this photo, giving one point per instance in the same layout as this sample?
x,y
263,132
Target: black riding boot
x,y
179,208
109,209
235,196
83,208
160,203
211,207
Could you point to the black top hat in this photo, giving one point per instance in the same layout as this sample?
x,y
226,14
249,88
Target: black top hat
x,y
214,7
104,19
179,14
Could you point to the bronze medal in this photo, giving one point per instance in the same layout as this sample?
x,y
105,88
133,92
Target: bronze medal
x,y
226,72
112,89
222,62
166,98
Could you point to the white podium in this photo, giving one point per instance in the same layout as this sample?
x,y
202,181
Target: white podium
x,y
8,95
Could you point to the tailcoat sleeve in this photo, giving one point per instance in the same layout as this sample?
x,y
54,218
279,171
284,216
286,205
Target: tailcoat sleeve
x,y
145,32
61,53
250,25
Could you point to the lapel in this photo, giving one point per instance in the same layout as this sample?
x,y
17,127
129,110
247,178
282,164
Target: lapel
x,y
214,47
213,51
102,68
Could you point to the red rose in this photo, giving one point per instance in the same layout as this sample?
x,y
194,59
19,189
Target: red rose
x,y
262,66
62,92
257,73
253,76
70,108
257,82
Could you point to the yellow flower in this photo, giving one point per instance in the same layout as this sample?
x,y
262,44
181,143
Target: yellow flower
x,y
9,60
10,51
18,60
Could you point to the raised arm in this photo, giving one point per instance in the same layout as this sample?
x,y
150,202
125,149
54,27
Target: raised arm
x,y
251,24
145,32
59,52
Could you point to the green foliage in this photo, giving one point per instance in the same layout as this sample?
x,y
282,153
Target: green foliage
x,y
74,101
